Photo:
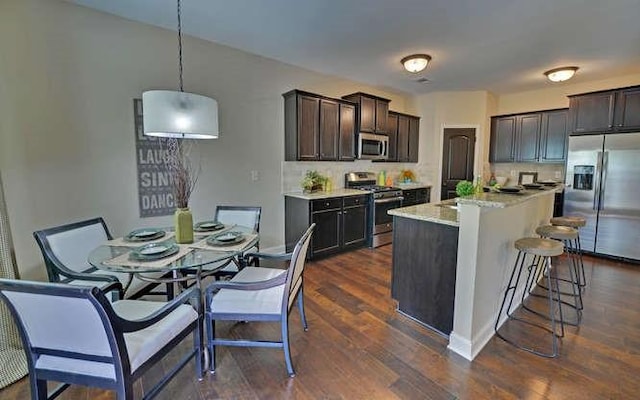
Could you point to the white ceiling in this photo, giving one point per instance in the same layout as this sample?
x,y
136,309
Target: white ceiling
x,y
497,45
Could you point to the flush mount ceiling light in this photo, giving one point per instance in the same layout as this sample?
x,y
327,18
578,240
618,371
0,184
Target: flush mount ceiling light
x,y
415,62
561,74
178,114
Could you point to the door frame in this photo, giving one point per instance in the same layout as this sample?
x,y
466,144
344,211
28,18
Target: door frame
x,y
477,165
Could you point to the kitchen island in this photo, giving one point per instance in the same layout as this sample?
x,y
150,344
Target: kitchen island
x,y
458,260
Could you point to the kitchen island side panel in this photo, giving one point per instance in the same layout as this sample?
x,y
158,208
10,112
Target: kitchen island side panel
x,y
424,271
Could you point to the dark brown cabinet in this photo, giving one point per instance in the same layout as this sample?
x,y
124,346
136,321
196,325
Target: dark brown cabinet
x,y
341,223
347,132
627,111
532,137
405,134
423,275
372,112
415,196
610,111
553,140
318,128
592,113
392,132
503,135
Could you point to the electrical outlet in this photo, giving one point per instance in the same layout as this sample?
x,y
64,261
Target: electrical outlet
x,y
558,175
255,176
514,172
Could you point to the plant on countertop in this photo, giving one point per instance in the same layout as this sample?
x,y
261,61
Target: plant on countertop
x,y
465,188
407,175
313,181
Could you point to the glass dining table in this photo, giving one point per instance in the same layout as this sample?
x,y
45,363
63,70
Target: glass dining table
x,y
191,261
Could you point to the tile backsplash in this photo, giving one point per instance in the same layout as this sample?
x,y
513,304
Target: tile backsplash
x,y
294,171
545,171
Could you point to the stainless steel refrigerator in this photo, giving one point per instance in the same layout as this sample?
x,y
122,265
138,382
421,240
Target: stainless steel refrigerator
x,y
603,185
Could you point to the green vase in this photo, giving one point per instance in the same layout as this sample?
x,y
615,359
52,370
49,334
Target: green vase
x,y
183,221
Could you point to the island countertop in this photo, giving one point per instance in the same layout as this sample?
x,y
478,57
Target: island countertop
x,y
502,200
429,212
445,213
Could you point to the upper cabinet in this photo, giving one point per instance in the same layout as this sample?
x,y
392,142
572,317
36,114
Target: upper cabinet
x,y
606,111
372,114
403,131
318,128
532,137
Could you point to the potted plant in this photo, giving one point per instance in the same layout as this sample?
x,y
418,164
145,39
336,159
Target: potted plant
x,y
313,182
465,188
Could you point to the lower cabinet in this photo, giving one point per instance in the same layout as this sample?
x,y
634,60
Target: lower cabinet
x,y
423,280
341,223
415,196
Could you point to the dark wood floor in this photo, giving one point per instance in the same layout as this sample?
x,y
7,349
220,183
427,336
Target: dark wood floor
x,y
358,347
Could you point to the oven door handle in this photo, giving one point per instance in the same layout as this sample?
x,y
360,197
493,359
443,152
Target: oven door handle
x,y
382,201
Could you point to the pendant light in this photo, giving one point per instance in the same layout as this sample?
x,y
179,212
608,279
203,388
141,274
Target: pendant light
x,y
179,115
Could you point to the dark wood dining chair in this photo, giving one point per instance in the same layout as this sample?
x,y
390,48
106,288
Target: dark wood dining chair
x,y
66,248
259,294
75,336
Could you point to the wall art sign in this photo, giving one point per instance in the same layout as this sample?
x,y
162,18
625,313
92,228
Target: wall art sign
x,y
155,194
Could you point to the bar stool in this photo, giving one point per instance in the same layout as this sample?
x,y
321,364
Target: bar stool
x,y
568,236
541,250
577,222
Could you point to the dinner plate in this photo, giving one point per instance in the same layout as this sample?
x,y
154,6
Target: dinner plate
x,y
532,185
208,226
153,251
548,183
225,239
144,235
510,189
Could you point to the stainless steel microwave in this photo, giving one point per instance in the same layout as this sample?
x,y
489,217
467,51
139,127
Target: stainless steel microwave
x,y
373,147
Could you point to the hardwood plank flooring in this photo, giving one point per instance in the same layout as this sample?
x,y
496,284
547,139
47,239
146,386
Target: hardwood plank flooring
x,y
359,347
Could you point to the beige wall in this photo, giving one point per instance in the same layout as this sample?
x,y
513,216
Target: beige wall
x,y
555,96
68,75
451,109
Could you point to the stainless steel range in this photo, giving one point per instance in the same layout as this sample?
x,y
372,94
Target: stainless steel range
x,y
381,200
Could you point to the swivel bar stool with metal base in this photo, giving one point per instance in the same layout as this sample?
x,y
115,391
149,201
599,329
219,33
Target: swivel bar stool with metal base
x,y
576,222
540,251
568,236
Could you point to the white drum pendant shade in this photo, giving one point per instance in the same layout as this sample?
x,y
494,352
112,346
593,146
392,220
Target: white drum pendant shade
x,y
181,115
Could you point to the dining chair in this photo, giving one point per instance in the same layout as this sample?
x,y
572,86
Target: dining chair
x,y
65,250
247,217
75,336
259,294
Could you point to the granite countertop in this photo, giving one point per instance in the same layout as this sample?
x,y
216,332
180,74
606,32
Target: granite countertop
x,y
411,185
502,200
429,212
324,195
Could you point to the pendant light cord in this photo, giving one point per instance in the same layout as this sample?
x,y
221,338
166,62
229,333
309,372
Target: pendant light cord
x,y
180,46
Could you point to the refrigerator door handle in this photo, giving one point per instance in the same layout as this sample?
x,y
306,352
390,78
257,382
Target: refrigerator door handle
x,y
603,180
596,184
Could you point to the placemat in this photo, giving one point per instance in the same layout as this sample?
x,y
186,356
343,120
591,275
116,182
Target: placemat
x,y
122,242
202,245
123,259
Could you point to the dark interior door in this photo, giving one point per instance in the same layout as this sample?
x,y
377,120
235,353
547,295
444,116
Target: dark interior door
x,y
457,159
